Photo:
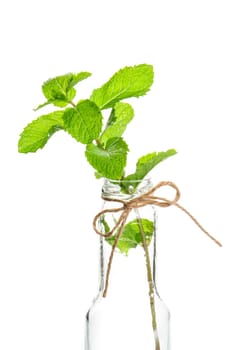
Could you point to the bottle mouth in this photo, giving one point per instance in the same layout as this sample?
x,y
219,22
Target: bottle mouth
x,y
126,189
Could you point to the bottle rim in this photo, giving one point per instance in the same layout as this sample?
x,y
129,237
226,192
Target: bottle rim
x,y
126,189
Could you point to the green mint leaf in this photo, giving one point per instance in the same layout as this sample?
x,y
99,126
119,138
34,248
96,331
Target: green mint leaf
x,y
131,235
110,160
146,163
121,115
128,82
84,122
60,90
36,134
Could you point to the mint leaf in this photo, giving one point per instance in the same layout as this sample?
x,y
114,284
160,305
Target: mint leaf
x,y
131,235
121,115
146,163
36,134
60,90
127,82
84,122
109,161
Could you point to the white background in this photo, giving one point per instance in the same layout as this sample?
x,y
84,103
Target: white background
x,y
48,251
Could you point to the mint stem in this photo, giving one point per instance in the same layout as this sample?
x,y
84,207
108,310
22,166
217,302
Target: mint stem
x,y
150,280
72,103
98,142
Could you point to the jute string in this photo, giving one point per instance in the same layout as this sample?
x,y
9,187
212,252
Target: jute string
x,y
145,199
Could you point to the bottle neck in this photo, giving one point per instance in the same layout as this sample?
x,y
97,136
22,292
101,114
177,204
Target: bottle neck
x,y
136,240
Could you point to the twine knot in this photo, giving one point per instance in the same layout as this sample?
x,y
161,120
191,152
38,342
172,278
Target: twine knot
x,y
147,198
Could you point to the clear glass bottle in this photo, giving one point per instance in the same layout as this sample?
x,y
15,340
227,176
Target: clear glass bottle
x,y
131,316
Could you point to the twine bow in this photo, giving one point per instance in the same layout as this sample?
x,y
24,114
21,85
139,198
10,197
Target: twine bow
x,y
145,199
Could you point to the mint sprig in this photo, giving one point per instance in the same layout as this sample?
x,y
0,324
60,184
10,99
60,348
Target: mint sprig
x,y
60,91
106,150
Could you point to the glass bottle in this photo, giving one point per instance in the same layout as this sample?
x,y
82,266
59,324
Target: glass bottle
x,y
130,314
